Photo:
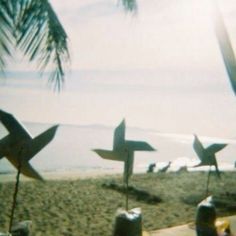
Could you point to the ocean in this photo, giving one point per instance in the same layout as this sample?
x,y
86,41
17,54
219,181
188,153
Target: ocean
x,y
71,150
163,107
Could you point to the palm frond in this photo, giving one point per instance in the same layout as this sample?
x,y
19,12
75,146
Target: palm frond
x,y
225,46
130,5
41,36
5,32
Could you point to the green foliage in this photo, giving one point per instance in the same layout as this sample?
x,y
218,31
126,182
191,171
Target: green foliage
x,y
130,5
33,27
5,31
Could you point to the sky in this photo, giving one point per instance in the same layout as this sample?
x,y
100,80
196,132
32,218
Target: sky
x,y
159,69
163,34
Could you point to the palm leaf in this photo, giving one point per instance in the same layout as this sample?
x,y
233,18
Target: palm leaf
x,y
130,5
41,36
5,31
38,33
225,46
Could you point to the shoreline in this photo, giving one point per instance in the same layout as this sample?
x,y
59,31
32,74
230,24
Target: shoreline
x,y
63,175
89,174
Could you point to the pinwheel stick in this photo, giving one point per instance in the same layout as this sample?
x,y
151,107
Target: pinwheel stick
x,y
127,195
208,181
127,182
15,192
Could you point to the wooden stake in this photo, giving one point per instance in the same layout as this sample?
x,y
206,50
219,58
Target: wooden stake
x,y
15,192
208,181
127,183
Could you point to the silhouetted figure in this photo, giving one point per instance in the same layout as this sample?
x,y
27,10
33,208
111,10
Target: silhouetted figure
x,y
151,168
183,169
165,168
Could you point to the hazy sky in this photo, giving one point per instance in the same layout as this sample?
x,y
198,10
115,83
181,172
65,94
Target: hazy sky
x,y
164,33
175,80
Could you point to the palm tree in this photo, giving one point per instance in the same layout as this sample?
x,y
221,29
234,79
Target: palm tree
x,y
222,37
33,27
225,46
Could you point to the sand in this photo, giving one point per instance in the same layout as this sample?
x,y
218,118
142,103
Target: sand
x,y
188,229
81,206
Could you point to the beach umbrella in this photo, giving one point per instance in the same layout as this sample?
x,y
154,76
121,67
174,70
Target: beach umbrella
x,y
123,150
19,148
225,45
207,156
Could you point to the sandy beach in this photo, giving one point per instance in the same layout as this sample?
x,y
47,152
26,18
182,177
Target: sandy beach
x,y
81,205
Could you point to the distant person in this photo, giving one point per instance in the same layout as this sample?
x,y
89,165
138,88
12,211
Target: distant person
x,y
151,168
183,169
165,168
